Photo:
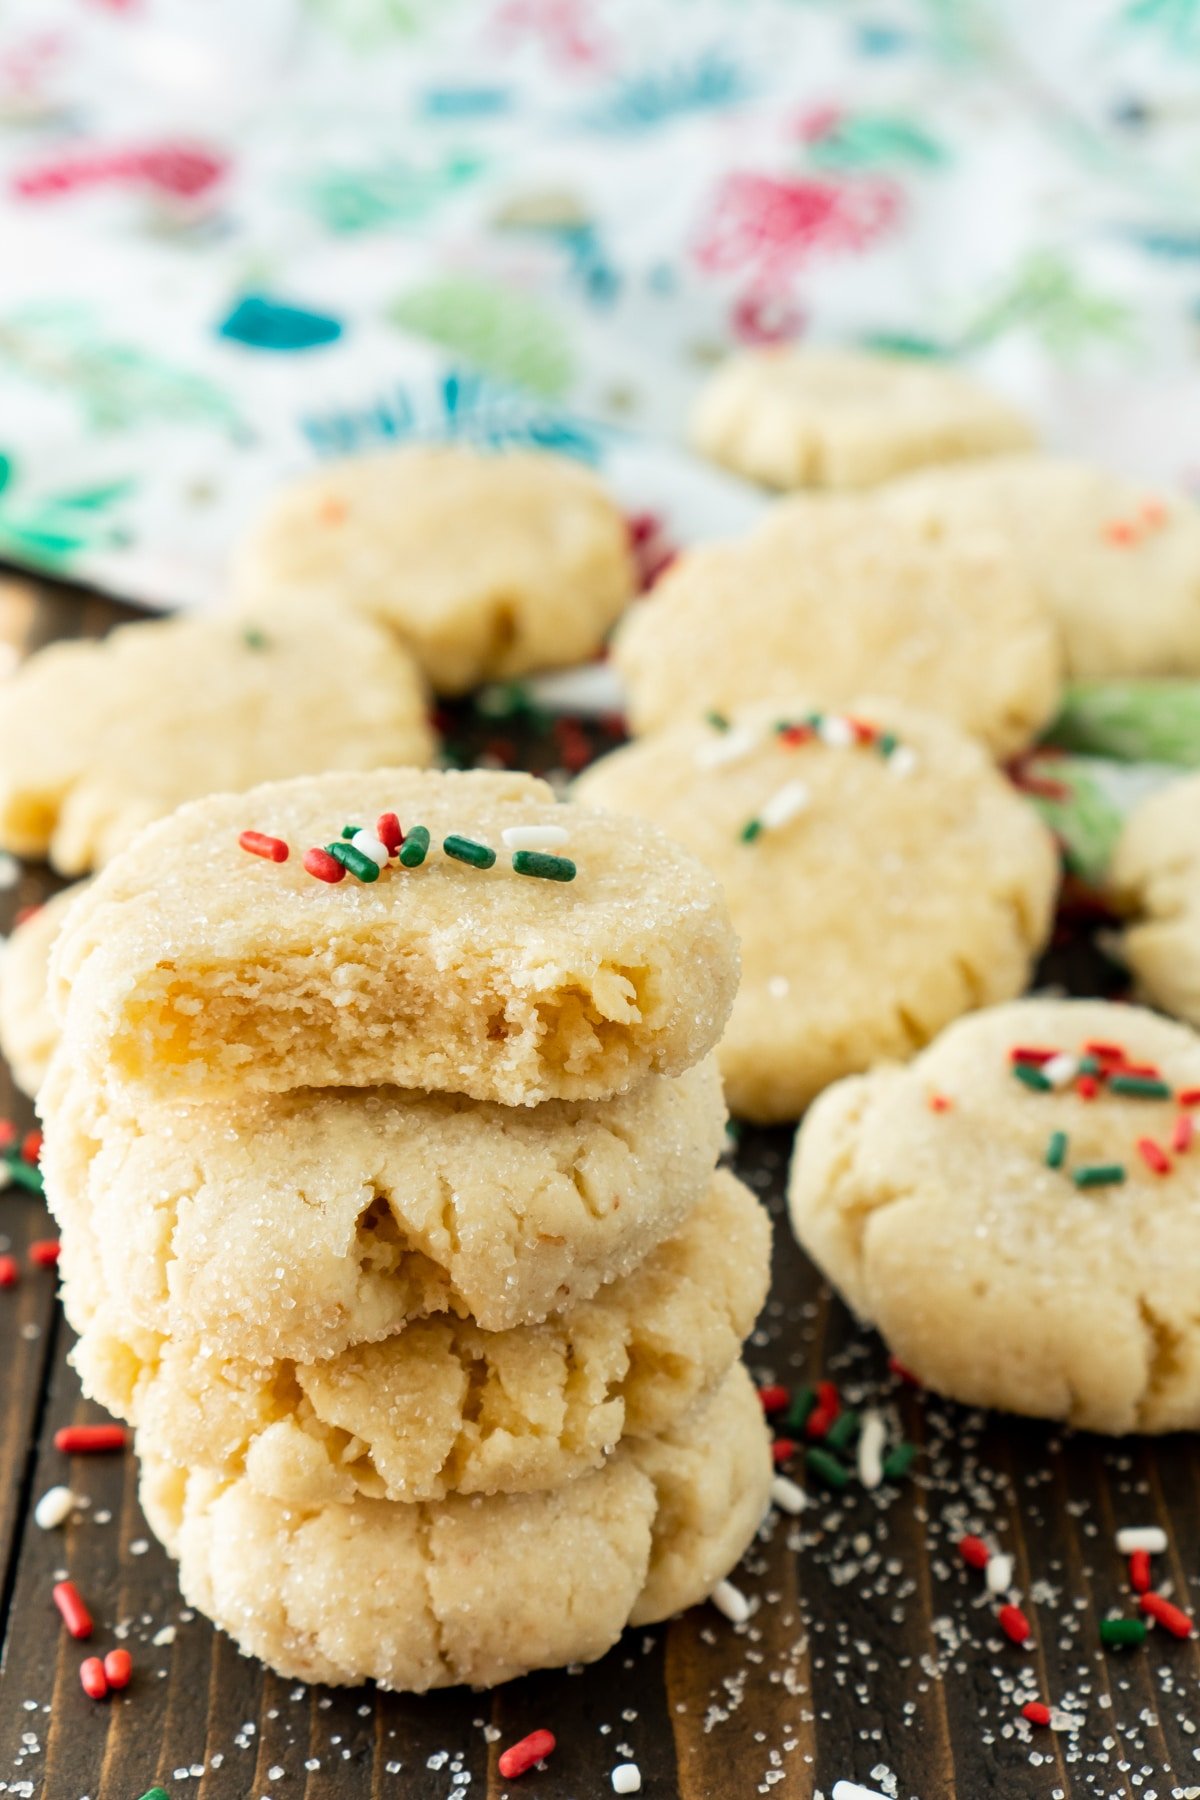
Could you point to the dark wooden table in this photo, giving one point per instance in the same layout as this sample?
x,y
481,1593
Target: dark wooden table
x,y
872,1656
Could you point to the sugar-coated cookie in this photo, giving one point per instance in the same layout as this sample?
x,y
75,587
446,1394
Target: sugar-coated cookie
x,y
882,876
487,565
1018,1212
98,737
442,1407
472,1589
195,968
1116,563
834,597
28,1027
1155,880
297,1225
796,417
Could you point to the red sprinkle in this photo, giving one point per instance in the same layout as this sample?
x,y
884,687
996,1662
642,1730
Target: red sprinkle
x,y
828,1406
1139,1571
1107,1052
31,1146
864,732
940,1103
1172,1618
92,1678
782,1450
1028,1053
773,1398
23,914
10,1274
118,1667
44,1253
1153,1156
1149,1071
897,1368
87,1440
1181,1137
259,844
520,1757
1036,1711
974,1552
75,1615
1154,512
387,830
8,1133
318,862
791,735
1087,1087
1014,1624
1120,531
1188,1096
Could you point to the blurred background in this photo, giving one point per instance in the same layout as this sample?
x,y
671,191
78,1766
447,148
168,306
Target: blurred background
x,y
235,238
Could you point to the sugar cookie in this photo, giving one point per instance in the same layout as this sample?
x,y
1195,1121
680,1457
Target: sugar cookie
x,y
252,975
487,565
1018,1243
1155,880
882,876
797,417
474,1589
28,1028
1115,563
835,597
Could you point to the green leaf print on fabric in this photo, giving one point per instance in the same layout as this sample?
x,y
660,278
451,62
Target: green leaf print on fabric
x,y
1132,721
365,23
116,386
871,141
1047,299
347,199
505,333
1085,800
51,530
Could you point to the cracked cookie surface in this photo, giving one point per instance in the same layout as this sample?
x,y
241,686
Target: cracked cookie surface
x,y
905,888
1154,878
1010,1240
441,1406
474,1589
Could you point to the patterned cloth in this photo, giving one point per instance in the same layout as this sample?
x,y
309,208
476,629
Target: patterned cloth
x,y
235,237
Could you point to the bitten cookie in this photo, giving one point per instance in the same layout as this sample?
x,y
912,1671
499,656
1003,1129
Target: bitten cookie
x,y
882,876
99,737
476,1589
28,1028
463,970
442,1407
487,565
1154,879
1115,563
1018,1212
301,1224
836,597
793,417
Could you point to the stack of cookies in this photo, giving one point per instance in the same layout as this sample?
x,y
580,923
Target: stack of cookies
x,y
391,1219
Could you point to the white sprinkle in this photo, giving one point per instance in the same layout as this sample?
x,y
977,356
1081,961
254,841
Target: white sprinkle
x,y
788,1495
871,1439
999,1573
731,1601
534,837
850,1790
369,844
727,747
165,1635
627,1779
837,732
10,870
902,761
784,804
54,1508
779,987
1065,1721
1061,1069
1141,1537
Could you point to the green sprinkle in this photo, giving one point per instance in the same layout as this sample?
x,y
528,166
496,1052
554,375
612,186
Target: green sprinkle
x,y
254,639
886,742
1090,1175
717,720
504,700
348,831
1116,1632
899,1461
156,1794
364,867
1088,1065
827,1467
548,868
1141,1087
796,1416
1032,1076
26,1175
415,847
467,850
1056,1150
750,830
843,1432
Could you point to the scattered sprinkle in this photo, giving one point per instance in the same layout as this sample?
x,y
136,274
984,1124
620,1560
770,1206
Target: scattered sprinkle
x,y
1056,1150
415,847
1014,1624
118,1668
1139,1087
731,1601
1172,1618
44,1253
827,1467
1139,1571
974,1552
92,1678
10,1272
871,1442
1151,1538
1117,1634
534,837
75,1615
784,805
898,1461
368,844
729,747
1037,1712
788,1496
998,1575
545,868
259,844
519,1758
362,867
850,1790
627,1779
773,1398
318,862
54,1508
90,1440
1090,1175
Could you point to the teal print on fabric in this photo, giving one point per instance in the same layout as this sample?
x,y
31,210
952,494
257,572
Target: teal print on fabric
x,y
870,141
465,102
463,406
1177,22
50,531
347,200
265,324
365,24
642,101
505,333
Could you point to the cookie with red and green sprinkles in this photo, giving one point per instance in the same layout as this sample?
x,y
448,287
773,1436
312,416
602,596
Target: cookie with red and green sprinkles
x,y
1018,1212
460,932
882,875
